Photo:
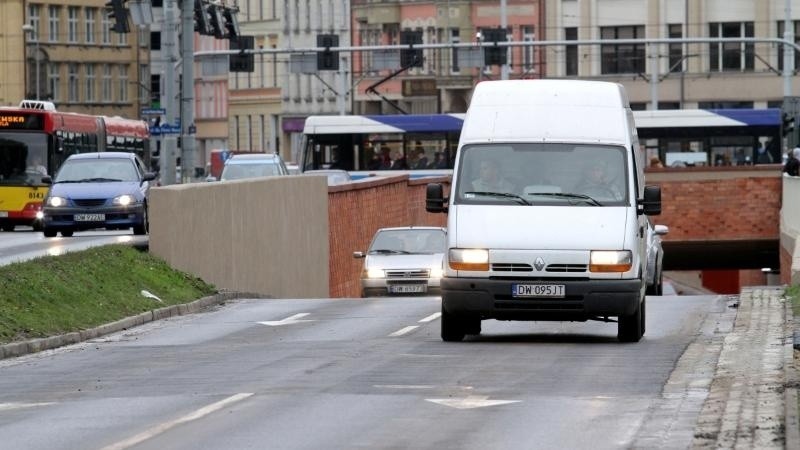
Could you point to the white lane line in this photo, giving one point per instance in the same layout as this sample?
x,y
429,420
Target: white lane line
x,y
10,406
404,386
431,318
403,331
287,321
158,429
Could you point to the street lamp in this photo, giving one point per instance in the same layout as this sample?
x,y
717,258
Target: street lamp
x,y
31,33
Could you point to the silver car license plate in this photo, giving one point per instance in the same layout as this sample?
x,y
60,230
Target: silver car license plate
x,y
537,290
407,288
90,217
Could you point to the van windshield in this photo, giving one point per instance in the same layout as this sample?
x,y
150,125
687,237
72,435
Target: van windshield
x,y
543,174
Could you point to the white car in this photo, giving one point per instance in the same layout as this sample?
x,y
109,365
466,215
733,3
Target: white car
x,y
403,261
655,256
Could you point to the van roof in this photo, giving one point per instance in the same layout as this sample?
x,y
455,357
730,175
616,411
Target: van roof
x,y
547,110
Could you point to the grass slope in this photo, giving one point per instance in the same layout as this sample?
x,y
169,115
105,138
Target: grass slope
x,y
53,295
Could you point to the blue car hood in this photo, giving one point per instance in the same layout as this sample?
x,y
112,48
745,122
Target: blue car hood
x,y
89,190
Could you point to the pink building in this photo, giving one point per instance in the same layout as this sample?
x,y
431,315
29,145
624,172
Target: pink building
x,y
442,83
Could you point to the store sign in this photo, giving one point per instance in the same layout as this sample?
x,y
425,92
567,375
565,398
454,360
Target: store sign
x,y
419,87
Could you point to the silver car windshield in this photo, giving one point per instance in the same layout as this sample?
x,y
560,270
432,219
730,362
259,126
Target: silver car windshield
x,y
94,170
408,242
241,171
543,174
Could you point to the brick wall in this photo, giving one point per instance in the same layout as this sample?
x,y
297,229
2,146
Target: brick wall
x,y
357,210
740,206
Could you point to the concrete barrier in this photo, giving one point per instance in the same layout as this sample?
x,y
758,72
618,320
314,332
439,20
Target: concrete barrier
x,y
266,235
790,230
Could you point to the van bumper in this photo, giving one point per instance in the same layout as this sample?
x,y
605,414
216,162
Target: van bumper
x,y
584,299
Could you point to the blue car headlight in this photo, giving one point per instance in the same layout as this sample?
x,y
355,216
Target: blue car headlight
x,y
56,201
124,200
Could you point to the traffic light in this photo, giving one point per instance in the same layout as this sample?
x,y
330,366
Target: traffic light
x,y
243,62
410,57
787,123
231,22
218,28
495,55
119,14
202,21
326,59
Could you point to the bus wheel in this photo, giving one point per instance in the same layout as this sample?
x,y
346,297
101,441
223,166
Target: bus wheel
x,y
37,227
48,233
67,233
8,227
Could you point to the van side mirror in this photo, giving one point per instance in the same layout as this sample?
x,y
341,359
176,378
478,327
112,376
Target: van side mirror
x,y
651,204
660,230
359,255
434,198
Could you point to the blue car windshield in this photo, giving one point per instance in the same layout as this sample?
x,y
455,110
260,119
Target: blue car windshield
x,y
97,170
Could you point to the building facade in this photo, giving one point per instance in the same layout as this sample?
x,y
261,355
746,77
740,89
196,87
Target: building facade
x,y
73,58
12,52
255,97
443,83
707,75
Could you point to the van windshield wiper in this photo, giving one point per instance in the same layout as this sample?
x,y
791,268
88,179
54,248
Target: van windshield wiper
x,y
516,197
582,197
386,251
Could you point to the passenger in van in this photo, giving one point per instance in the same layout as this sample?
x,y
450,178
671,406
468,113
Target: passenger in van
x,y
439,162
489,179
597,181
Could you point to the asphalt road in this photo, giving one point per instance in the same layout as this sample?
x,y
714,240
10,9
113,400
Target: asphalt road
x,y
24,243
312,374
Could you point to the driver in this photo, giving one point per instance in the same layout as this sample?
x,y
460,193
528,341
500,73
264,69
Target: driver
x,y
597,181
489,179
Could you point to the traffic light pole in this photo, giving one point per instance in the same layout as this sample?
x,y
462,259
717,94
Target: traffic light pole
x,y
187,92
170,52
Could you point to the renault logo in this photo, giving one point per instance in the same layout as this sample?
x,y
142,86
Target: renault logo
x,y
539,264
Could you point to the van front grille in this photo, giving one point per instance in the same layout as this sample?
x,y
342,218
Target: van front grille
x,y
511,267
566,268
409,273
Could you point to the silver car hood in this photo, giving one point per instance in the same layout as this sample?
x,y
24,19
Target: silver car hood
x,y
400,261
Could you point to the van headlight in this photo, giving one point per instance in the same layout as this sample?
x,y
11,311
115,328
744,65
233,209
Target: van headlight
x,y
124,200
610,261
474,259
372,272
56,201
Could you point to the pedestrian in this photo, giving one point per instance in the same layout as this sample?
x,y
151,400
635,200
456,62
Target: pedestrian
x,y
763,156
656,162
792,166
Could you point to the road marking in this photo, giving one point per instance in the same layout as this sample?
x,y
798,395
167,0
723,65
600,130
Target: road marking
x,y
10,406
471,402
403,331
287,321
431,318
404,386
158,429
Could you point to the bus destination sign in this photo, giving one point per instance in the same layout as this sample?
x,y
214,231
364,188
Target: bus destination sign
x,y
20,121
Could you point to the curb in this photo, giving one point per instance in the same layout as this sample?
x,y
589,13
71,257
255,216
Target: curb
x,y
791,381
21,348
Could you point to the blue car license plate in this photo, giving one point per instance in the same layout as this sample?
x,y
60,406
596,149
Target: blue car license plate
x,y
90,217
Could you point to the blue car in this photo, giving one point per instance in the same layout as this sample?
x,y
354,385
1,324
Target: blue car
x,y
97,190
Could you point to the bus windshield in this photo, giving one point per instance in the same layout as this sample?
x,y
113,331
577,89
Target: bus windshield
x,y
23,158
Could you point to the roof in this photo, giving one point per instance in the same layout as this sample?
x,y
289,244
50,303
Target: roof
x,y
102,155
252,157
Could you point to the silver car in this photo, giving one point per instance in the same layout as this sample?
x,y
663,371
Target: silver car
x,y
403,261
655,256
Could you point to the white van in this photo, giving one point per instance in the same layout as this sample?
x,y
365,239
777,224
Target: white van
x,y
546,213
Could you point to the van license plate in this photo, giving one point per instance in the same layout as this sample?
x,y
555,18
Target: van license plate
x,y
90,217
537,290
407,288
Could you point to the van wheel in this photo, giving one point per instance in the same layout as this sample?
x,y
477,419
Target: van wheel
x,y
67,233
472,326
658,288
452,327
48,232
631,328
8,227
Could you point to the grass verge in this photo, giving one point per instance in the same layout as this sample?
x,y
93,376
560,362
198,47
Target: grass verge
x,y
793,293
53,295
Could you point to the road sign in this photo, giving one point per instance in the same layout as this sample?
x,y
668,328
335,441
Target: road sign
x,y
153,111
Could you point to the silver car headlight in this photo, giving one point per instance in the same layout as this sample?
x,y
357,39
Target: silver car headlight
x,y
373,272
56,201
124,200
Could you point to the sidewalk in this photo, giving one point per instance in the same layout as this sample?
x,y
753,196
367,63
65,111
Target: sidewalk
x,y
752,400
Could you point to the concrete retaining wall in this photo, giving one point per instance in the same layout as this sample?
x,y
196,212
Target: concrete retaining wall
x,y
266,235
790,230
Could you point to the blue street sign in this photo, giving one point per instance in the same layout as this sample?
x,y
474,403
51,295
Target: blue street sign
x,y
170,129
153,111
